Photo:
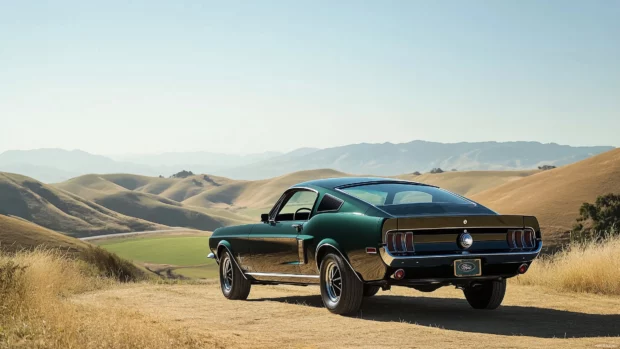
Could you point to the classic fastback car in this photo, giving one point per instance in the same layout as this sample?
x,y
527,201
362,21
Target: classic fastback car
x,y
354,236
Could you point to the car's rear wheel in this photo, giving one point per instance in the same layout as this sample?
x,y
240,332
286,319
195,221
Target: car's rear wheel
x,y
232,282
370,291
488,295
341,290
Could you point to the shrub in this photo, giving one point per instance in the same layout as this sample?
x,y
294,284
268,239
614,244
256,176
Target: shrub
x,y
546,167
182,174
598,219
112,266
210,180
416,173
437,170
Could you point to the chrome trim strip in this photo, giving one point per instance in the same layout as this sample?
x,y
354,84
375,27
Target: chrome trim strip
x,y
318,267
284,275
469,255
233,258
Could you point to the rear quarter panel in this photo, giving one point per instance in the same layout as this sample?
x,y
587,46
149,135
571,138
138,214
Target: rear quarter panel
x,y
351,233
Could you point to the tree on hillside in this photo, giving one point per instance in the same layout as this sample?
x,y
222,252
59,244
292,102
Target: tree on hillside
x,y
546,167
437,170
182,174
210,180
600,218
416,173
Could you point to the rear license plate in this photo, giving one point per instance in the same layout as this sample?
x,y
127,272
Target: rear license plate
x,y
467,267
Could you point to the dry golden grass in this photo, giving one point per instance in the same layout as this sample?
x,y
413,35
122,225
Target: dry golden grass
x,y
36,312
554,196
592,267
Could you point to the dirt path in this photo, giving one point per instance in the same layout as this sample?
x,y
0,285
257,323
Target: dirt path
x,y
288,316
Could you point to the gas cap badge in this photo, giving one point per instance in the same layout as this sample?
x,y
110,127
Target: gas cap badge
x,y
466,240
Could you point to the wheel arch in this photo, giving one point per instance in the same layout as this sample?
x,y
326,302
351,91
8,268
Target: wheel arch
x,y
330,245
225,246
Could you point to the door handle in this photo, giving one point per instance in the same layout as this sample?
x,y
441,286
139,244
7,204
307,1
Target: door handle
x,y
298,227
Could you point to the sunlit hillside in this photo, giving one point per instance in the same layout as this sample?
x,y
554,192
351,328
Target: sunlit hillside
x,y
261,193
555,196
468,183
153,198
62,211
18,234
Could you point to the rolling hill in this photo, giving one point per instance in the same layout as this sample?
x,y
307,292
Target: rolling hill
x,y
257,194
154,199
62,211
555,196
17,234
468,183
229,201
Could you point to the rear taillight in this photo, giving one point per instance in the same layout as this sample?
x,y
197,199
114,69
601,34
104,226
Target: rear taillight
x,y
400,242
521,238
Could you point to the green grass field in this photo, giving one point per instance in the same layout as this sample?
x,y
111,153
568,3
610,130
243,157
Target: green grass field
x,y
181,251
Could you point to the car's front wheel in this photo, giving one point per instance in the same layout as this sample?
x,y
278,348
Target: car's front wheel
x,y
232,282
341,290
488,295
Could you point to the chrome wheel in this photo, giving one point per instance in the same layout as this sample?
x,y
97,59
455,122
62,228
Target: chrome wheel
x,y
227,275
333,282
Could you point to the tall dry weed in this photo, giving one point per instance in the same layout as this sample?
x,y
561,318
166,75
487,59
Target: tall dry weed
x,y
589,266
37,311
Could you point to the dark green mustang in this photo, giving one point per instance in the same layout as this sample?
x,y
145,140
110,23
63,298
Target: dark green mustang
x,y
354,236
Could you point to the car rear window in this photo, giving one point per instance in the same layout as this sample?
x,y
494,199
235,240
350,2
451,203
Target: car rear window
x,y
411,199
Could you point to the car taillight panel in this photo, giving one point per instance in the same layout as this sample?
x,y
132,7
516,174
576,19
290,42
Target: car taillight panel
x,y
400,242
521,238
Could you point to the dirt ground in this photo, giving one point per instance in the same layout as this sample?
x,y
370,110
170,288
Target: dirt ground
x,y
294,317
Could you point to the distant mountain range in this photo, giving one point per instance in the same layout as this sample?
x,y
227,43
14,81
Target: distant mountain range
x,y
55,165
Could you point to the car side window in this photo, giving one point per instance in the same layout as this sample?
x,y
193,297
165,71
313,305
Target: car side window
x,y
329,203
297,206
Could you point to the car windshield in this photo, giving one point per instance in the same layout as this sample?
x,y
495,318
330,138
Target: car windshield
x,y
414,199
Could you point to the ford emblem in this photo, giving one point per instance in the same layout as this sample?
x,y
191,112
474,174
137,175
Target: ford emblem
x,y
466,267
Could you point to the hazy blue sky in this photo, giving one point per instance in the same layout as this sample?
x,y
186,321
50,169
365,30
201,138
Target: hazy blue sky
x,y
148,76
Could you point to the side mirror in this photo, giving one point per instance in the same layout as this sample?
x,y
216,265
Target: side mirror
x,y
264,217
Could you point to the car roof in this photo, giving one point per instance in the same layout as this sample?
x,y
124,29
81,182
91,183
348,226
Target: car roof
x,y
333,183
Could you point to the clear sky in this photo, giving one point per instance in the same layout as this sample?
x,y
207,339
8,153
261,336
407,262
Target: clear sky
x,y
115,77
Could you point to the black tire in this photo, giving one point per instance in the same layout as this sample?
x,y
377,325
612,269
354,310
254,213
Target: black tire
x,y
370,291
233,284
489,295
344,293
